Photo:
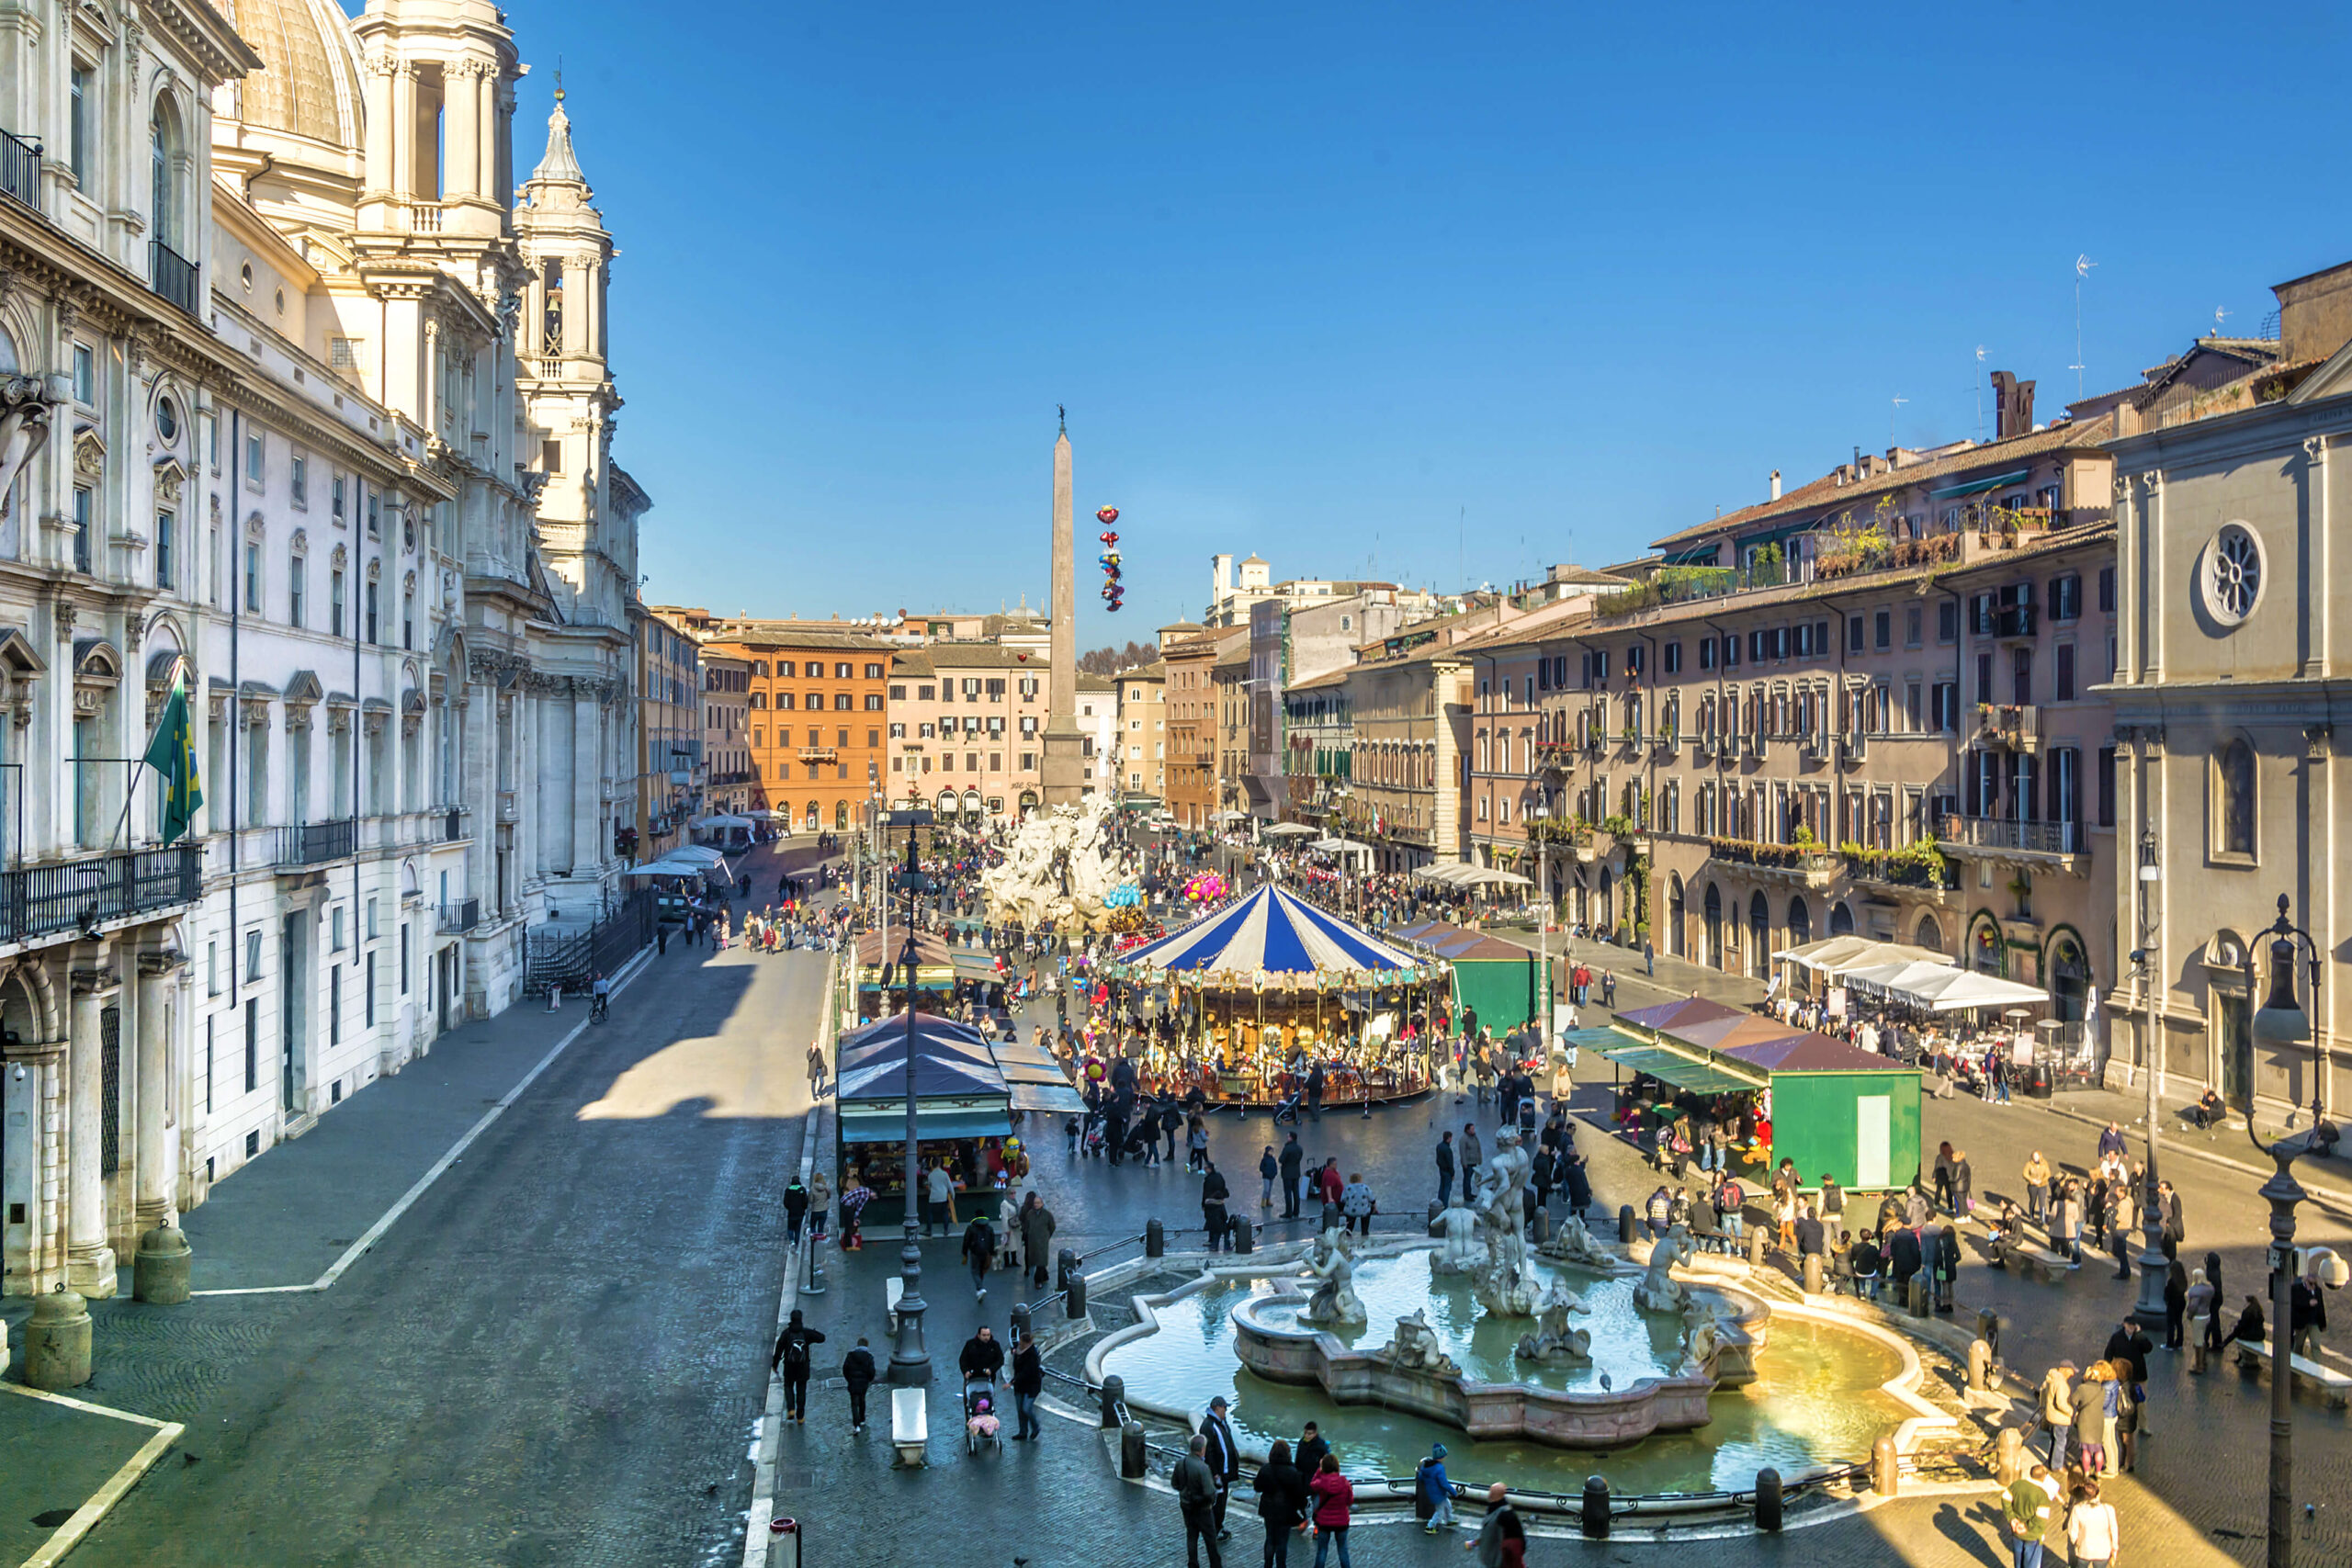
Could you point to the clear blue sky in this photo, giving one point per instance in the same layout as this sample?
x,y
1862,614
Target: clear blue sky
x,y
1317,281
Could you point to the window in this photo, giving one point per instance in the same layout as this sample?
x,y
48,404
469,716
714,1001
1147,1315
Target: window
x,y
375,514
296,578
2107,786
165,560
873,672
368,991
2233,801
343,354
2067,598
1911,621
1948,621
898,694
256,458
1853,634
1670,657
299,477
1883,630
2065,691
335,603
1947,707
407,617
253,577
2107,590
841,672
335,926
1707,653
85,375
1634,658
84,89
371,611
335,498
873,702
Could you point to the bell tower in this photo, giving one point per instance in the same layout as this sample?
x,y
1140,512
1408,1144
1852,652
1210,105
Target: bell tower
x,y
440,96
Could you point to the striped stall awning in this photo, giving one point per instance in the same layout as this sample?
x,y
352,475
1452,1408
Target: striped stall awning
x,y
1270,933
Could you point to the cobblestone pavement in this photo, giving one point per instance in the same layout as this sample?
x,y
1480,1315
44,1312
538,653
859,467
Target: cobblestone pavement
x,y
556,1357
2198,1499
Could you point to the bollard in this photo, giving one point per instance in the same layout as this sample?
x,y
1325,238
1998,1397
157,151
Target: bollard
x,y
1155,1239
1980,1366
1115,1396
2008,1454
1813,1273
159,1271
57,1341
1133,1459
1756,1247
1594,1519
1624,1224
1543,1226
784,1543
1021,1324
1920,1301
815,1284
1244,1234
1065,1268
1074,1296
1886,1471
1768,1500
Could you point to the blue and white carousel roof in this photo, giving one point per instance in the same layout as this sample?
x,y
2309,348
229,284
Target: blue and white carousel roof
x,y
1272,936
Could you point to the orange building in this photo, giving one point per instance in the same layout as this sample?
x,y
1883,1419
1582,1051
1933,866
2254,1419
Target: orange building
x,y
817,716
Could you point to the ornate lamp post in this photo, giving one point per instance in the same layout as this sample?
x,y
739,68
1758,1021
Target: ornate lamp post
x,y
909,1361
1542,811
2282,1021
2154,1267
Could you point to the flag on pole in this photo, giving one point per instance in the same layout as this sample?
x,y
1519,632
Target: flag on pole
x,y
172,754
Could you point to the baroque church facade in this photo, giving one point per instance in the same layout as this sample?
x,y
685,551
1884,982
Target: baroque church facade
x,y
305,410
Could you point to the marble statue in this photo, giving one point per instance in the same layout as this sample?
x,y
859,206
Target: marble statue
x,y
1416,1348
1058,867
1461,1254
1702,1333
1554,1340
1659,1291
1506,1286
1572,1243
1335,1300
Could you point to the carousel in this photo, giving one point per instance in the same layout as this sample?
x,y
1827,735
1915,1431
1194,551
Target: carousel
x,y
1257,993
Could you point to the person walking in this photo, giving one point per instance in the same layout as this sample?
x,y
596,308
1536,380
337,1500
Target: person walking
x,y
1334,1495
1269,1172
1037,1236
1214,1193
1028,1383
1445,1170
1357,1205
1501,1541
857,1376
979,1251
1432,1492
2175,1305
1197,1497
816,1072
791,1359
796,1211
2092,1532
1282,1502
1224,1455
1292,1161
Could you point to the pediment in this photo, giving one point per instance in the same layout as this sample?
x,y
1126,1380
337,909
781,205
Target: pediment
x,y
89,452
2333,378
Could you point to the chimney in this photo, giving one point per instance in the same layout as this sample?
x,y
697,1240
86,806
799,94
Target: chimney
x,y
2012,406
1776,484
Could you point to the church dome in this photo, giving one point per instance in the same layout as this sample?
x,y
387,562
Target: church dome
x,y
309,85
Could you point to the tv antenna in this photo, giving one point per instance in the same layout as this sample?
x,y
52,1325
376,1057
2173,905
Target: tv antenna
x,y
1890,419
2083,266
2219,315
1980,391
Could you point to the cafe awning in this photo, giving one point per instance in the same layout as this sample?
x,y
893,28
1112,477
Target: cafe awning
x,y
1978,487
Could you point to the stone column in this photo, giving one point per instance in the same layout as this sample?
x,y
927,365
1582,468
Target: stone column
x,y
89,1261
32,1083
587,782
485,90
404,130
460,110
380,70
1064,767
156,1150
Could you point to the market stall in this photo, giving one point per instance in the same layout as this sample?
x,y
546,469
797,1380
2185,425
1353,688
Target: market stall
x,y
882,970
1269,986
963,1108
1501,979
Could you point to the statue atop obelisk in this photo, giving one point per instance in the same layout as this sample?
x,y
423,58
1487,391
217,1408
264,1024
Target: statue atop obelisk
x,y
1064,765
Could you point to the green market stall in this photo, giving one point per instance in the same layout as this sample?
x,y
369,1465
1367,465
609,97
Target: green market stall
x,y
882,970
963,1110
1501,980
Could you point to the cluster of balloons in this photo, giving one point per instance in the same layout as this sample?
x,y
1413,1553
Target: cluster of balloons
x,y
1125,895
1206,887
1109,559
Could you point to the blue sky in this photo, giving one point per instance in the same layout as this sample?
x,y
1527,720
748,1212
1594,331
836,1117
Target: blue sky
x,y
1431,293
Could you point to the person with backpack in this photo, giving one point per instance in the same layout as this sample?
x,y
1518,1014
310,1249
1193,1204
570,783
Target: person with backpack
x,y
979,1251
1432,1492
796,1211
791,1359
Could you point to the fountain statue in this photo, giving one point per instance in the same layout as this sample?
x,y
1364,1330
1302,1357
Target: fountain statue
x,y
1460,1254
1056,870
1572,1243
1554,1340
1658,1290
1702,1338
1506,1286
1335,1299
1416,1348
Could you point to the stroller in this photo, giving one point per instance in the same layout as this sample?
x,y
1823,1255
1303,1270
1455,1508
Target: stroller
x,y
980,1425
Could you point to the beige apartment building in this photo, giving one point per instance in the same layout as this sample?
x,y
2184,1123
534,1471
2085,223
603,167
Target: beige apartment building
x,y
732,785
966,728
1139,765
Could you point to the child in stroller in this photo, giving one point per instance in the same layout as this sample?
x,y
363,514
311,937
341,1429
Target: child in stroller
x,y
980,1426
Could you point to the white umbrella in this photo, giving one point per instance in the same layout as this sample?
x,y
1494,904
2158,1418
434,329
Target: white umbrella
x,y
1286,829
701,853
1492,876
725,820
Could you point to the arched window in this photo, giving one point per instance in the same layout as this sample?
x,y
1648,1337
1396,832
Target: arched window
x,y
2234,792
1759,931
1929,935
162,158
841,816
1713,905
1800,923
1841,920
1674,914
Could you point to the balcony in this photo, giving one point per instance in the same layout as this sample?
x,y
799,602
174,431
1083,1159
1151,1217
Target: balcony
x,y
173,274
82,895
2000,838
459,918
451,823
2016,726
1810,865
2014,621
822,753
20,169
314,843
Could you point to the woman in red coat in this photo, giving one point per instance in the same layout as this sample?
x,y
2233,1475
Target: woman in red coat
x,y
1333,1497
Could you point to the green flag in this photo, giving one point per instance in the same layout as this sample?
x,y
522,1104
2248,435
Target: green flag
x,y
172,754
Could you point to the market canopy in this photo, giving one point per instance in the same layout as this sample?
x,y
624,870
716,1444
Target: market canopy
x,y
1810,1053
1683,1011
701,852
1723,1033
1447,873
951,1061
1957,990
1270,933
1837,955
1491,876
726,819
1457,944
1285,830
1668,1065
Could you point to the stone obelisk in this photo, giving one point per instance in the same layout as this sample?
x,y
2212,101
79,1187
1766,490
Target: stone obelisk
x,y
1064,766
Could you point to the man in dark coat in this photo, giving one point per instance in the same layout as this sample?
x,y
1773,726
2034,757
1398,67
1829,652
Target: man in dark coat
x,y
1292,1161
1903,1258
857,1376
1214,1193
1036,1235
1444,1170
982,1360
1224,1457
791,1359
1311,1450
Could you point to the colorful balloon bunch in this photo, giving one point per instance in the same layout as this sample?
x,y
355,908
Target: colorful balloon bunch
x,y
1126,896
1206,887
1109,559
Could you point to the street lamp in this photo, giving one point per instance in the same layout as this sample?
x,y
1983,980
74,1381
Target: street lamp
x,y
2154,1267
909,1361
1542,811
2282,1021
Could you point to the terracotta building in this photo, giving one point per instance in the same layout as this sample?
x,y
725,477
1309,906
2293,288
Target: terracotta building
x,y
816,710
